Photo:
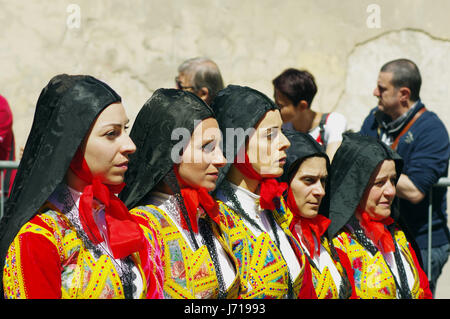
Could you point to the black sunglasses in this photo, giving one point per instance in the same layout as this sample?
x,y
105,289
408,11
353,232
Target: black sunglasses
x,y
180,86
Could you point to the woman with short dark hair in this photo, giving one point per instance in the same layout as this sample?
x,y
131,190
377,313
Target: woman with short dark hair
x,y
294,91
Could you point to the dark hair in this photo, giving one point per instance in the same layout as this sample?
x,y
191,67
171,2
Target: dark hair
x,y
405,74
296,85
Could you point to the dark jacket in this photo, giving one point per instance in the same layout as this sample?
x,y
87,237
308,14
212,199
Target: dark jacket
x,y
425,151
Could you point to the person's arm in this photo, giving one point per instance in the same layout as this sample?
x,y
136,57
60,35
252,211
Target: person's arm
x,y
335,127
426,155
407,190
33,267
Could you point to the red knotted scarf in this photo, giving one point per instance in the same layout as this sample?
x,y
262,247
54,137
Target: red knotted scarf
x,y
310,226
377,232
193,199
270,188
124,234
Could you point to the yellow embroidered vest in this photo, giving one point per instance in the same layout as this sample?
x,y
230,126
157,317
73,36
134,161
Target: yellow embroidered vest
x,y
323,281
373,278
263,271
83,276
188,274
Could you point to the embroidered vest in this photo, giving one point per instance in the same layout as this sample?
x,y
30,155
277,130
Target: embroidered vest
x,y
188,274
263,271
82,275
373,278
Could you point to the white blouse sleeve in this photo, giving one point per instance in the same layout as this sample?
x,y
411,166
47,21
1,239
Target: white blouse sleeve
x,y
336,125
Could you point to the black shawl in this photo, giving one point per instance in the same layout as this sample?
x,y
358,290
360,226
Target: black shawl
x,y
350,172
65,111
304,146
166,111
241,108
155,134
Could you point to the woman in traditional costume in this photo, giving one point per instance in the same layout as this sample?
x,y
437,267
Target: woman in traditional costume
x,y
306,173
365,221
65,233
167,186
270,260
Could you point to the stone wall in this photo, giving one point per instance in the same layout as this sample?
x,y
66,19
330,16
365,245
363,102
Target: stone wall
x,y
136,46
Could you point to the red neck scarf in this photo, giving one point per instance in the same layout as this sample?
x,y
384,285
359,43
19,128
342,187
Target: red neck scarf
x,y
194,198
270,188
124,234
377,232
310,226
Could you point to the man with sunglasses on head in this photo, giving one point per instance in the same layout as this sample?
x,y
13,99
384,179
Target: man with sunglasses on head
x,y
200,76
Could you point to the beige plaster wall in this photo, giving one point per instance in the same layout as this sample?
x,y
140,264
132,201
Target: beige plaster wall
x,y
136,46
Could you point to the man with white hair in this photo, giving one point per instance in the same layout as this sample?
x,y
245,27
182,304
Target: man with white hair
x,y
200,76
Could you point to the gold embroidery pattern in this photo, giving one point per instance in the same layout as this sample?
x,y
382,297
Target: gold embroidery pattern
x,y
187,274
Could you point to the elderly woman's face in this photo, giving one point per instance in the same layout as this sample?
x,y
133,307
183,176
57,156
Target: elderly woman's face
x,y
381,191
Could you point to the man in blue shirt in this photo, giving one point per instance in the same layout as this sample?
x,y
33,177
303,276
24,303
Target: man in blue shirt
x,y
419,136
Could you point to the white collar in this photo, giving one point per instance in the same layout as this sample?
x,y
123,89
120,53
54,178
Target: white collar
x,y
75,194
248,200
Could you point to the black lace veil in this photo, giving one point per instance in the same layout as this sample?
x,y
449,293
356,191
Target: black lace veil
x,y
351,169
302,147
155,134
238,109
352,166
65,111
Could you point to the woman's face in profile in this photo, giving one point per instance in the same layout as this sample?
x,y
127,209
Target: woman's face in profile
x,y
267,146
108,145
203,156
380,191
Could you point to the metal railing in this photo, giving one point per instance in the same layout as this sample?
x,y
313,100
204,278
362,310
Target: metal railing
x,y
443,182
8,165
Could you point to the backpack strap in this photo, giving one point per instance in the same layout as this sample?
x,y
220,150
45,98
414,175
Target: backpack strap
x,y
323,121
406,128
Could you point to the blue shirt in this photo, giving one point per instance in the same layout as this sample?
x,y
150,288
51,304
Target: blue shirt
x,y
425,150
